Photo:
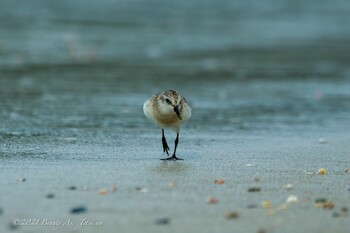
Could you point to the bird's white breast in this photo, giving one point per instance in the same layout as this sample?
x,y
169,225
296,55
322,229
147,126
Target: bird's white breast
x,y
147,110
164,116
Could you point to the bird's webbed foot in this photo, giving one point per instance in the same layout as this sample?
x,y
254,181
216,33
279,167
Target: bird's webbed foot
x,y
172,158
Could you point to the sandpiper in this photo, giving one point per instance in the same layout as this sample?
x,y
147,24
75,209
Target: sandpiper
x,y
168,110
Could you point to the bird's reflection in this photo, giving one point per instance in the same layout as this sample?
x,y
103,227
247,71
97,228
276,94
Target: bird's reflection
x,y
170,166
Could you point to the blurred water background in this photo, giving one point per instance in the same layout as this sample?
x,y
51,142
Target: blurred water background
x,y
82,69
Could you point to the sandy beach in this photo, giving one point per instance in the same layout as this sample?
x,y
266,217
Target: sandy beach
x,y
148,190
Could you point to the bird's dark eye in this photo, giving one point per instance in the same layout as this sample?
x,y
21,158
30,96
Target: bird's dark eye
x,y
168,101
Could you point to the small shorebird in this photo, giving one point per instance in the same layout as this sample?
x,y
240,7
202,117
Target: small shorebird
x,y
168,110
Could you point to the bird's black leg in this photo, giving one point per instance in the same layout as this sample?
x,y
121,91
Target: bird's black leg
x,y
176,142
165,144
166,148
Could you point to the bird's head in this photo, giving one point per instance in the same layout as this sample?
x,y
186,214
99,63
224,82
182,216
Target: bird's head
x,y
170,103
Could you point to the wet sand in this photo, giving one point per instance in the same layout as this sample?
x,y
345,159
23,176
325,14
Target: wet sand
x,y
148,189
79,152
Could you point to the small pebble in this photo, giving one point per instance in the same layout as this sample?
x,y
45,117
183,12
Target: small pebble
x,y
256,179
231,215
319,205
321,200
309,173
219,181
261,231
321,171
103,192
1,211
292,199
252,206
162,221
78,210
19,180
114,188
142,190
288,187
322,141
212,200
172,185
342,213
72,188
254,189
325,205
328,205
266,204
50,195
347,170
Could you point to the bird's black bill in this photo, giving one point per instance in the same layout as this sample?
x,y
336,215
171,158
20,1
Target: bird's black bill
x,y
177,111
